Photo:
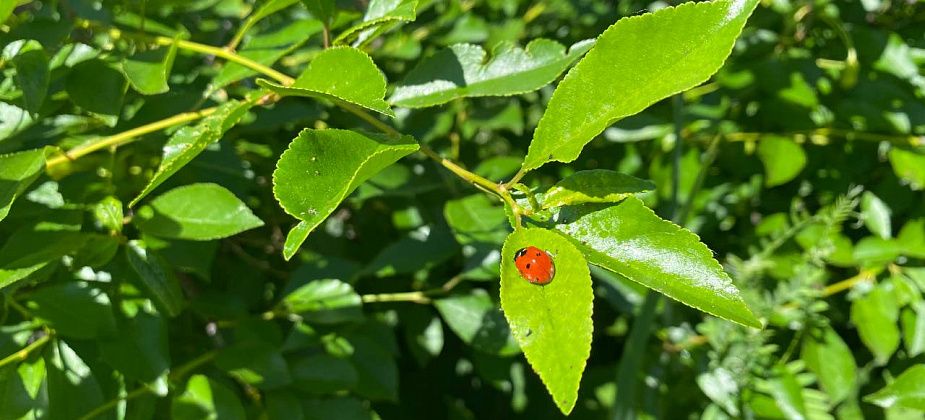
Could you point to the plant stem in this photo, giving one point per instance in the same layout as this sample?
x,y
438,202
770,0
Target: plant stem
x,y
864,275
365,116
416,297
125,136
631,360
24,353
824,133
227,54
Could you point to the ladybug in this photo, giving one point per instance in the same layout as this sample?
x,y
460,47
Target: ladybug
x,y
535,265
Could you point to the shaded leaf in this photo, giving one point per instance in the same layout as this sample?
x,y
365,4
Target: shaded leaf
x,y
636,62
323,374
75,309
199,212
321,167
267,48
73,389
629,239
551,323
477,321
464,70
343,75
32,73
28,250
205,398
140,349
594,186
17,172
155,277
98,88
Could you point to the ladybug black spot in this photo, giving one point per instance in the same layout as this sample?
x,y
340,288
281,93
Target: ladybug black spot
x,y
528,265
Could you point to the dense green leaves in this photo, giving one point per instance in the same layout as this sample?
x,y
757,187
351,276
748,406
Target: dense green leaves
x,y
551,323
267,47
905,391
321,167
478,322
189,142
29,250
594,186
75,309
465,70
205,398
341,74
636,62
196,212
630,239
17,172
148,71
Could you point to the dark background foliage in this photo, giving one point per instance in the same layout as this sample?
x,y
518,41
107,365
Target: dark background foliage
x,y
801,166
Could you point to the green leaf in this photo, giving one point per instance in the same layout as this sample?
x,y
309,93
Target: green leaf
x,y
108,213
477,321
149,71
28,250
340,74
198,212
418,250
323,10
552,323
32,74
205,398
140,349
324,301
636,62
913,322
74,309
629,239
155,277
464,70
341,408
787,393
720,386
294,239
98,88
267,48
14,397
594,186
73,389
906,391
6,10
875,315
270,7
379,13
323,374
876,215
17,172
321,167
256,363
189,142
827,355
782,159
909,165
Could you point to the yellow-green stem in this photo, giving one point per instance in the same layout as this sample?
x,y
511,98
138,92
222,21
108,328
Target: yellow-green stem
x,y
125,137
24,353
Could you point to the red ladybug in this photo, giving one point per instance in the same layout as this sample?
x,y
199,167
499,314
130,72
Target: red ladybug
x,y
535,265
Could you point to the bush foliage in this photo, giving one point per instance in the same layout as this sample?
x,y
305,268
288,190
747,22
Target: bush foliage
x,y
283,209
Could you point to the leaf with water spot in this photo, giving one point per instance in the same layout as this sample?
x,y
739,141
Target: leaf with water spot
x,y
551,323
322,167
629,239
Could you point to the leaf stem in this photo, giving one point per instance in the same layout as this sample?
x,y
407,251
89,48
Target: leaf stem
x,y
24,353
863,276
125,137
821,135
416,297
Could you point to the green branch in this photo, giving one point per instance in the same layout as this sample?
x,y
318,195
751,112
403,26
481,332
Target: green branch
x,y
24,353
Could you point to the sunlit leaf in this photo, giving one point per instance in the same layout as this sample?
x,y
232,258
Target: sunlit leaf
x,y
198,212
